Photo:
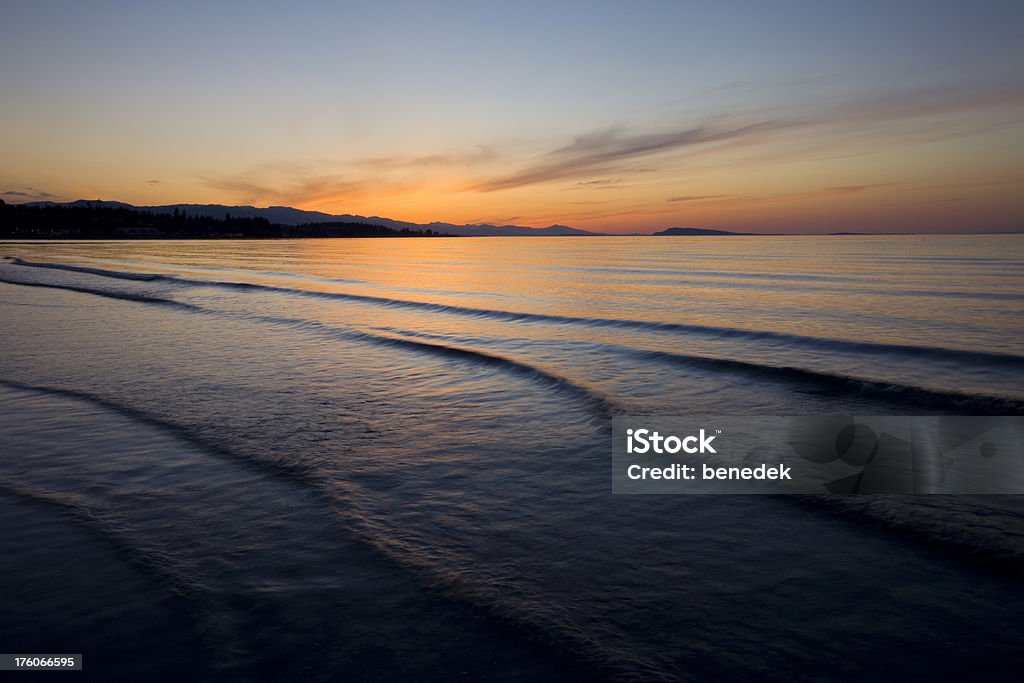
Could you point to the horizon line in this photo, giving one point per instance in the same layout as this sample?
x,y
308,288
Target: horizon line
x,y
738,233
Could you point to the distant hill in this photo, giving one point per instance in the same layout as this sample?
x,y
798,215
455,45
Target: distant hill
x,y
285,215
115,220
697,231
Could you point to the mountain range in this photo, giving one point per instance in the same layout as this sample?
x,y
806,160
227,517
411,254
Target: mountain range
x,y
286,215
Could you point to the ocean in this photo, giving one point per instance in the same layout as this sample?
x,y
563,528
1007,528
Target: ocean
x,y
368,459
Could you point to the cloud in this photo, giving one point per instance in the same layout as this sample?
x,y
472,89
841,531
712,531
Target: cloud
x,y
824,120
698,198
285,189
808,130
507,220
603,149
746,199
152,182
706,92
482,154
325,182
850,189
935,100
29,193
599,183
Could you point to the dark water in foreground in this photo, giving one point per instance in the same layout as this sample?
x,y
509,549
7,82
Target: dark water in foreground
x,y
379,458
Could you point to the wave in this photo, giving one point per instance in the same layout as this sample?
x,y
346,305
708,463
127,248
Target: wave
x,y
181,433
971,404
890,392
120,275
151,562
954,526
604,407
123,296
796,283
600,404
1004,360
725,274
492,598
509,602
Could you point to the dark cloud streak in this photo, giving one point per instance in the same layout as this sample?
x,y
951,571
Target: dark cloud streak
x,y
698,198
30,193
603,149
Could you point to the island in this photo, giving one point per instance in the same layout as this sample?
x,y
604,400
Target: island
x,y
690,232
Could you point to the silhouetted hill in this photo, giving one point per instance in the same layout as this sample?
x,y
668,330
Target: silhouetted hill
x,y
697,231
285,215
112,220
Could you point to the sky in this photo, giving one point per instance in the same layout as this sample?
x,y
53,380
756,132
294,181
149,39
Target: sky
x,y
612,116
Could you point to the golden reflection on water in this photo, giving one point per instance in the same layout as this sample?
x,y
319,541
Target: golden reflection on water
x,y
882,289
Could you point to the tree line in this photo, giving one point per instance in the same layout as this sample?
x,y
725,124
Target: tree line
x,y
54,221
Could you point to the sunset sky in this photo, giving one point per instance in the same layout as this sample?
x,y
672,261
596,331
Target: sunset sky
x,y
611,116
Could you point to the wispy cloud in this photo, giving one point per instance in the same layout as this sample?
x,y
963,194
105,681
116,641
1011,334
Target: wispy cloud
x,y
325,182
935,100
836,192
698,197
505,220
482,154
604,149
600,182
322,184
29,193
850,189
282,187
810,130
